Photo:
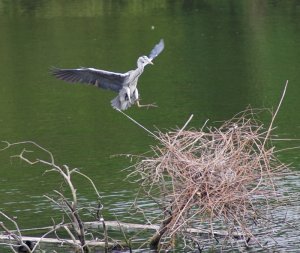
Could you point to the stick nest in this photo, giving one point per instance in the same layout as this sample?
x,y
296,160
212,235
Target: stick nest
x,y
216,175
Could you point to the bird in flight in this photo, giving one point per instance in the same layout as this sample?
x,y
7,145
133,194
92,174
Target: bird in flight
x,y
123,83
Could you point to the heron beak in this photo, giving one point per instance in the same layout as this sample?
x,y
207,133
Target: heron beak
x,y
151,62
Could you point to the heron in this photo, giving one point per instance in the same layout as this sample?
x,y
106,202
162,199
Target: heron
x,y
123,83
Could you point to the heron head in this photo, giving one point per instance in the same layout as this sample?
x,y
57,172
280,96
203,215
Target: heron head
x,y
143,61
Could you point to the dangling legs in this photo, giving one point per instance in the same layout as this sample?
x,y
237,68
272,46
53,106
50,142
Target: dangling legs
x,y
148,105
136,98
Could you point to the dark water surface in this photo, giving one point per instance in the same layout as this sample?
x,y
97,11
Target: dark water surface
x,y
220,57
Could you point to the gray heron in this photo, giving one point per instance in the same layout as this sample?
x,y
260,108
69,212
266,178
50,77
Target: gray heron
x,y
123,83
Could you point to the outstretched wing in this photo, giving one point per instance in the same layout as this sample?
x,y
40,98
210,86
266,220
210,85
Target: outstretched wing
x,y
100,78
157,50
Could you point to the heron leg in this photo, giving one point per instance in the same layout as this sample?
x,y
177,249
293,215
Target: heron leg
x,y
148,105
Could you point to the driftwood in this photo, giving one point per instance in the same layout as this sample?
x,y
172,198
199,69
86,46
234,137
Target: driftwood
x,y
130,227
109,225
93,243
127,227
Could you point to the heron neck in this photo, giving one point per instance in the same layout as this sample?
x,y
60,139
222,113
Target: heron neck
x,y
139,70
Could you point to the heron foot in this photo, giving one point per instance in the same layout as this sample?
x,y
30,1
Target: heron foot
x,y
148,105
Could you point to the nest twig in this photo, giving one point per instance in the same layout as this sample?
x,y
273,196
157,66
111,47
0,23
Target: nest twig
x,y
223,175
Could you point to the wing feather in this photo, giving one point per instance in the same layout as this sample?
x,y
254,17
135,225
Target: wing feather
x,y
158,48
100,78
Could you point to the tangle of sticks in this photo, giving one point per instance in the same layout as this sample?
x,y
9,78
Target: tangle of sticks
x,y
222,175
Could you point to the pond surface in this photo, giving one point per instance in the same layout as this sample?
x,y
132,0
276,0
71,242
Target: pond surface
x,y
219,57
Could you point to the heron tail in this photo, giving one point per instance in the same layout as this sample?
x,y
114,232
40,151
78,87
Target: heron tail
x,y
117,103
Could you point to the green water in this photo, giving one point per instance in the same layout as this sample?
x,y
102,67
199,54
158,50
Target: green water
x,y
220,57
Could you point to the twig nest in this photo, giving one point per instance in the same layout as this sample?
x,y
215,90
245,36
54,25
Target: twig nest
x,y
224,174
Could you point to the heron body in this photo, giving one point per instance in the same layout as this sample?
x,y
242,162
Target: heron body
x,y
123,83
129,95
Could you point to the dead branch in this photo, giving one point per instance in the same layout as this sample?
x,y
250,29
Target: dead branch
x,y
68,206
27,245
